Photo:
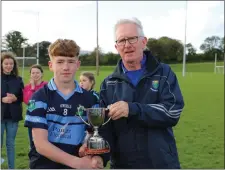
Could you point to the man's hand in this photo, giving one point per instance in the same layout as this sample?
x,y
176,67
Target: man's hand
x,y
118,110
97,162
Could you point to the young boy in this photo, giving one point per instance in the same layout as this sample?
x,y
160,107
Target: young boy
x,y
56,130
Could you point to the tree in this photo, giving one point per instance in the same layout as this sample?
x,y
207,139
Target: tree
x,y
110,59
165,48
210,44
191,49
13,41
154,46
191,56
222,44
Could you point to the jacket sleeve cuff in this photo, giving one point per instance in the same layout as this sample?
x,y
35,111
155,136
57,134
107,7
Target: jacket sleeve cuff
x,y
133,109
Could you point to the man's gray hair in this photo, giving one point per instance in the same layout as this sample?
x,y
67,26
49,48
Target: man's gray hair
x,y
133,20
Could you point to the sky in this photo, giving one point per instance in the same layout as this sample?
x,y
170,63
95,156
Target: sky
x,y
77,20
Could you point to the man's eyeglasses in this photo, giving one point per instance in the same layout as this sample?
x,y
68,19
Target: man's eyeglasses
x,y
131,40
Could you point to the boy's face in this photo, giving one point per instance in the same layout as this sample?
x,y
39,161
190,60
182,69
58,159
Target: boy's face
x,y
64,68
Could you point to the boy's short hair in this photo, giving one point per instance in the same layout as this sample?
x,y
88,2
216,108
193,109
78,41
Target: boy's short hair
x,y
64,47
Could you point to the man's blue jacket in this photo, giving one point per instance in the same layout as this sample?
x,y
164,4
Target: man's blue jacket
x,y
145,138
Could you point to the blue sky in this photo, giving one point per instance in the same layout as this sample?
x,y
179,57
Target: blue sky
x,y
77,20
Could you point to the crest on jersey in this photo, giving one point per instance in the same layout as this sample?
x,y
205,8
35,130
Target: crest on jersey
x,y
31,105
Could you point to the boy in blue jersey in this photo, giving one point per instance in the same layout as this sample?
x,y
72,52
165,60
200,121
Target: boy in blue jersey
x,y
57,132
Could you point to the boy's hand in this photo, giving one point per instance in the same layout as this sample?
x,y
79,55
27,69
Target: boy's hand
x,y
82,149
88,162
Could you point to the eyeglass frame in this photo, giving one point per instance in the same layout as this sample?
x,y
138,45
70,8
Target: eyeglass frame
x,y
128,39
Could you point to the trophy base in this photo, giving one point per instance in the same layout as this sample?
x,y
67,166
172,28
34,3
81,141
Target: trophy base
x,y
96,151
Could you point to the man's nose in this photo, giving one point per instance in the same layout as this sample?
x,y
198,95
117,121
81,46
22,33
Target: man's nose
x,y
127,44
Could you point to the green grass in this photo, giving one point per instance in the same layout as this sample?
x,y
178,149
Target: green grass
x,y
200,131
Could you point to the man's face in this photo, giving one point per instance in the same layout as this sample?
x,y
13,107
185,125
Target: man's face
x,y
130,52
64,68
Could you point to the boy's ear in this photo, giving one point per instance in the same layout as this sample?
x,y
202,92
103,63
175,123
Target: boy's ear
x,y
78,64
50,65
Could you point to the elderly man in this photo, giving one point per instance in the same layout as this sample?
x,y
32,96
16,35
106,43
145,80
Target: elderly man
x,y
145,103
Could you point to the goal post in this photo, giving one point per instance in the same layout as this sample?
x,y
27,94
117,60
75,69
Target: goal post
x,y
23,65
25,58
218,68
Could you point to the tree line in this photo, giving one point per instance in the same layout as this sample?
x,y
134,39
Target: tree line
x,y
167,49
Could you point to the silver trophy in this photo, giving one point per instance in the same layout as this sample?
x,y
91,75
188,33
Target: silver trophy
x,y
96,116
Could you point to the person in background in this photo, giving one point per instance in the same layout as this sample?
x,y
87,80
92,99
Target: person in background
x,y
36,82
87,82
11,103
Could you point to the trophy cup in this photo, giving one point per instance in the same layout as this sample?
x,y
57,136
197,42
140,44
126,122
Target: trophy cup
x,y
96,116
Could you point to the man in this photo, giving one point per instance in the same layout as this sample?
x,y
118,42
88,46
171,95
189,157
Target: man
x,y
145,103
57,132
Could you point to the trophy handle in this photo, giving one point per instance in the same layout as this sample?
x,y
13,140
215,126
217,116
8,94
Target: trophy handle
x,y
84,121
81,109
109,118
106,121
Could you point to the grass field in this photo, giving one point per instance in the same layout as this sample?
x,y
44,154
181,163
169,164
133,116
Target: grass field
x,y
200,131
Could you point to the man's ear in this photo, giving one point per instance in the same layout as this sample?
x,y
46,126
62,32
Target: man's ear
x,y
115,46
144,41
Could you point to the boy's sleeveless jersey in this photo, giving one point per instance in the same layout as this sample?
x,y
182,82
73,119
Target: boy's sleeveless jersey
x,y
49,109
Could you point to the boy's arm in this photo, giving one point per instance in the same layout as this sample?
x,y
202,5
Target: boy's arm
x,y
45,148
36,119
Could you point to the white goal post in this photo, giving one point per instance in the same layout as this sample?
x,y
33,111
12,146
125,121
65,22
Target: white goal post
x,y
218,69
24,58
